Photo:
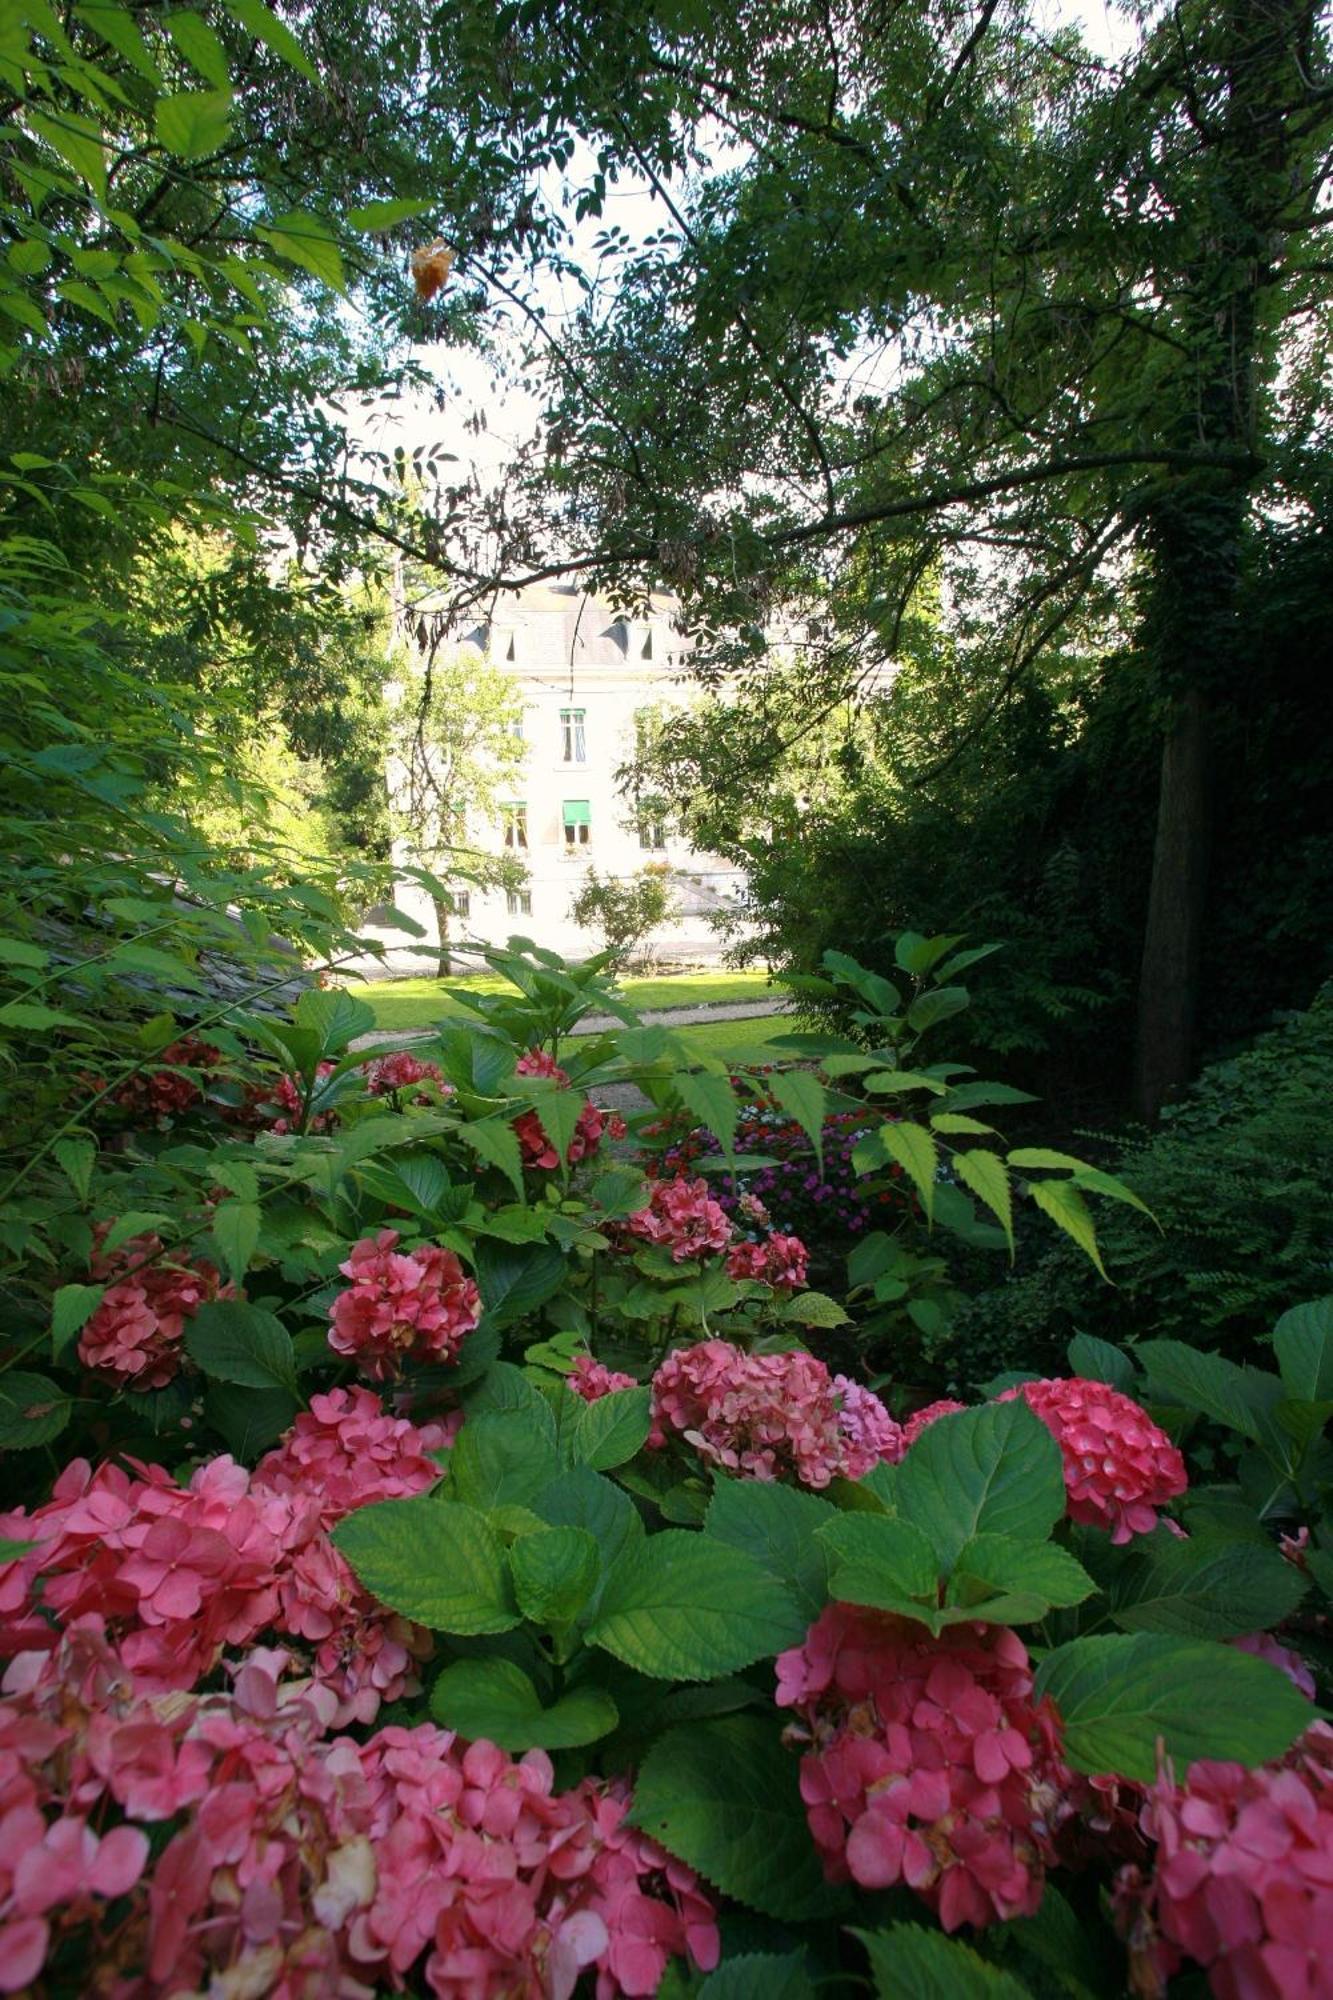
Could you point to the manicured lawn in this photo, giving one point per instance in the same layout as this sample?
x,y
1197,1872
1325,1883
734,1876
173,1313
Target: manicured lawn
x,y
736,1040
419,1003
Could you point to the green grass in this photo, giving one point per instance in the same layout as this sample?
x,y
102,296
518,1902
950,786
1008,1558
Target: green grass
x,y
733,1039
400,1004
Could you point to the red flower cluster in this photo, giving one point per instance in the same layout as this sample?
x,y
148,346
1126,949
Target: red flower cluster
x,y
275,1104
403,1071
401,1306
158,1096
780,1261
927,1760
1242,1881
178,1576
537,1148
135,1334
769,1416
589,1379
1119,1466
304,1864
683,1217
912,1429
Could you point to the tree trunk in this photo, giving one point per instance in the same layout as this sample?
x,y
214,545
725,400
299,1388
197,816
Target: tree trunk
x,y
1177,905
443,968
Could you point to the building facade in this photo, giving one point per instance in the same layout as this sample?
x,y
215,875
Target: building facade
x,y
587,675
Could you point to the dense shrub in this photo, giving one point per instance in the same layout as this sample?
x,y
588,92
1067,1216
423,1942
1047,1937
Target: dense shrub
x,y
1240,1180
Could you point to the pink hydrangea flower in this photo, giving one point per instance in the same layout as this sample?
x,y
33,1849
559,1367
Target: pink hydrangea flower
x,y
683,1217
918,1422
159,1096
769,1416
403,1071
282,1095
589,1379
401,1306
1242,1880
1119,1466
537,1147
1263,1646
927,1760
346,1449
135,1336
780,1261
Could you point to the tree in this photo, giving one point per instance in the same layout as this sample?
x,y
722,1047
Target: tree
x,y
967,302
457,752
626,909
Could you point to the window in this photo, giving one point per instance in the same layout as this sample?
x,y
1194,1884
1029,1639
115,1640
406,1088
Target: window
x,y
652,834
574,743
520,902
516,728
578,823
462,901
515,817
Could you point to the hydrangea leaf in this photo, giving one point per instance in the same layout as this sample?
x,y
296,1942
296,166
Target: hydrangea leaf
x,y
493,1698
1124,1696
555,1571
777,1527
724,1796
909,1963
995,1470
435,1561
612,1429
681,1606
760,1975
237,1342
1205,1588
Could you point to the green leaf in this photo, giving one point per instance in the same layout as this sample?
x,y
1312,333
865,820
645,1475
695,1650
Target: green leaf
x,y
200,47
760,1976
36,1019
515,1278
1204,1588
621,1191
777,1527
723,1796
681,1606
494,1699
434,1561
909,1963
814,1309
18,951
495,1141
502,1458
194,123
305,239
1097,1361
940,1004
995,1470
612,1429
713,1102
913,1147
33,1410
883,1562
376,216
71,1309
78,141
1303,1343
249,1420
236,1342
1119,1697
235,1230
556,1571
1004,1581
805,1099
1067,1209
954,1123
1240,1398
267,28
987,1176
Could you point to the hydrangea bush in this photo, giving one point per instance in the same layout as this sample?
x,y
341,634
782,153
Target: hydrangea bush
x,y
443,1556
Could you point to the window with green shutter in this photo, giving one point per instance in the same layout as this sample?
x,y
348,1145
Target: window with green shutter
x,y
578,822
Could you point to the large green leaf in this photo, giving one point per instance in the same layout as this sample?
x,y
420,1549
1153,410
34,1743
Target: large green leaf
x,y
71,1309
881,1561
263,23
995,1470
713,1102
1123,1696
724,1797
913,1147
612,1429
1066,1207
515,1278
777,1526
237,1342
910,1963
1097,1361
760,1976
805,1099
502,1458
987,1176
235,1230
1240,1398
556,1571
1204,1588
494,1699
681,1606
1002,1580
435,1561
1303,1343
33,1410
194,123
249,1420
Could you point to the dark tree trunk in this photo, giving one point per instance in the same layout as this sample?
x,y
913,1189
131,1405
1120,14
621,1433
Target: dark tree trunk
x,y
442,915
1177,908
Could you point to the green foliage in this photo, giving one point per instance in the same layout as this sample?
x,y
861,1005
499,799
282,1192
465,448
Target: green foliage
x,y
625,909
1240,1185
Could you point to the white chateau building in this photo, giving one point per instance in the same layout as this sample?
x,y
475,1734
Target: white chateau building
x,y
586,674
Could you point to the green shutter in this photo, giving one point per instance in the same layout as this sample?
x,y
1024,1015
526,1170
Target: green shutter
x,y
577,812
